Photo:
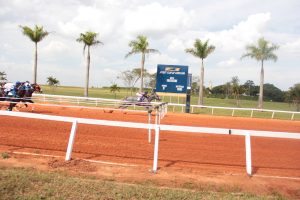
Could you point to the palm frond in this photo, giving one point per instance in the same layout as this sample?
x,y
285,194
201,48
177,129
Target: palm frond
x,y
264,50
140,45
88,39
36,34
201,50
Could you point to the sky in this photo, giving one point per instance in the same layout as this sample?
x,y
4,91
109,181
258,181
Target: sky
x,y
170,25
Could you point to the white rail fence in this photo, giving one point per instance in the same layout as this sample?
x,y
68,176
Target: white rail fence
x,y
112,102
251,110
157,128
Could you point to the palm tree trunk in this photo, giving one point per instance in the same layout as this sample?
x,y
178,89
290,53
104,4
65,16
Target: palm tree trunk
x,y
87,73
200,99
142,72
261,87
35,64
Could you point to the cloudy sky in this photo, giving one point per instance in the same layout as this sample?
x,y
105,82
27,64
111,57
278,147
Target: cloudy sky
x,y
170,25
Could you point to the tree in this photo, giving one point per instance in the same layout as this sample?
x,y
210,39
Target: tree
x,y
237,89
294,95
273,93
248,85
88,39
140,45
263,51
201,50
3,77
114,88
52,81
36,35
152,83
130,77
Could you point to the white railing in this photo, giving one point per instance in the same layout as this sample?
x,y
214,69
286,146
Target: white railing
x,y
162,108
157,127
213,108
112,102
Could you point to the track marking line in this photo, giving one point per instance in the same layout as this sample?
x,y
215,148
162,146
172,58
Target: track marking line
x,y
269,176
88,160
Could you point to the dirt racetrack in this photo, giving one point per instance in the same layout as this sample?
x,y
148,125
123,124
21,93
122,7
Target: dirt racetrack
x,y
186,152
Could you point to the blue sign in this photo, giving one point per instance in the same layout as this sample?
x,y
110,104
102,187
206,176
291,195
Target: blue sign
x,y
171,78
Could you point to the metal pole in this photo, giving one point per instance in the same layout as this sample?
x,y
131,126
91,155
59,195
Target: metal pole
x,y
71,141
155,157
248,154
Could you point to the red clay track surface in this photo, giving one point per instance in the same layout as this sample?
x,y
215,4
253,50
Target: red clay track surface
x,y
214,153
208,160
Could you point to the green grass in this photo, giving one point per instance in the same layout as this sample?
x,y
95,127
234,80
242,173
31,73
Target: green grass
x,y
105,93
19,183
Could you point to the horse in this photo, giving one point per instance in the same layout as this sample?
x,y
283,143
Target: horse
x,y
23,94
140,101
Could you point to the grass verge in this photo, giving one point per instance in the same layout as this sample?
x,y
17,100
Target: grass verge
x,y
19,183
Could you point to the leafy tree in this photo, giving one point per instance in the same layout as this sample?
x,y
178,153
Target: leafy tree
x,y
273,93
127,77
293,95
151,80
131,77
262,52
52,81
36,35
248,85
237,89
201,50
140,45
88,39
3,77
114,88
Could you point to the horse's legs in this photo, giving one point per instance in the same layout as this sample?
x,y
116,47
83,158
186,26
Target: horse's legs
x,y
11,106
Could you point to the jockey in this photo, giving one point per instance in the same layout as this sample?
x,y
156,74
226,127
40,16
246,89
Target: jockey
x,y
142,96
11,89
27,86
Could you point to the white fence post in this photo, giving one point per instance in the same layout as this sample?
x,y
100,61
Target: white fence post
x,y
149,130
248,154
155,157
71,141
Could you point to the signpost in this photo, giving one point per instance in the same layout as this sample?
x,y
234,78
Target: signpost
x,y
171,78
174,79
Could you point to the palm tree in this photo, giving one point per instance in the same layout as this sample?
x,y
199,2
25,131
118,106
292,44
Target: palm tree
x,y
263,51
201,50
36,35
114,88
140,45
88,39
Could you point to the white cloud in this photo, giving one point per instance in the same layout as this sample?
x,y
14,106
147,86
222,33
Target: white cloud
x,y
155,59
241,34
171,26
176,45
156,20
55,47
292,47
227,63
